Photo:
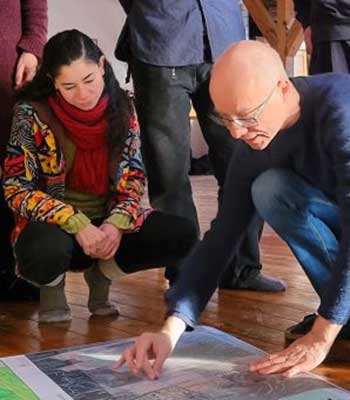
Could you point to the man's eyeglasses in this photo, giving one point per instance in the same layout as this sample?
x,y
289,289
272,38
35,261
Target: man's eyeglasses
x,y
244,122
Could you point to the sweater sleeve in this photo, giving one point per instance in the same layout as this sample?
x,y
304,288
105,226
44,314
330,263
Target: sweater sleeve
x,y
22,174
335,304
34,26
128,186
201,269
302,12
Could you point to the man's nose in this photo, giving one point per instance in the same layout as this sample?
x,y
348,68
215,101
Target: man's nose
x,y
238,131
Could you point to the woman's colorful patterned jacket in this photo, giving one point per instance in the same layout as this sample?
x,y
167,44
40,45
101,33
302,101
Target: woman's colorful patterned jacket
x,y
35,174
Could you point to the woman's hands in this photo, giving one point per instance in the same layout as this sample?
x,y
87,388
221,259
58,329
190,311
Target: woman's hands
x,y
100,242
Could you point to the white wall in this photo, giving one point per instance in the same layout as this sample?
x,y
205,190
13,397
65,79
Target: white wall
x,y
103,20
100,19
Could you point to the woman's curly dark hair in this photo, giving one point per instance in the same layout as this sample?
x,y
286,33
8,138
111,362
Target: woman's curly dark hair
x,y
64,48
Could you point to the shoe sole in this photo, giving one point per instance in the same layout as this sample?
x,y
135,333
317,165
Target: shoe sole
x,y
50,320
106,311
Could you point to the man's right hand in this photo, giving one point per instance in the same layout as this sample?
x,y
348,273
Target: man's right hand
x,y
91,239
152,346
149,346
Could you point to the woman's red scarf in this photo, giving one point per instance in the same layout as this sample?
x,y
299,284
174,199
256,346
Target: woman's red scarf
x,y
88,132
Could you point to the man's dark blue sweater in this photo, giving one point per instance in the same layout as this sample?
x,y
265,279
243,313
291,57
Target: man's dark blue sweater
x,y
317,148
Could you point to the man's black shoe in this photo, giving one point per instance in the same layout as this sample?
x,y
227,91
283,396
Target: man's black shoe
x,y
302,328
258,282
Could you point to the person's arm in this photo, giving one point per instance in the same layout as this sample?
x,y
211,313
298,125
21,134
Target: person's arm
x,y
22,174
155,346
201,270
33,39
335,305
304,354
309,351
129,184
21,183
34,26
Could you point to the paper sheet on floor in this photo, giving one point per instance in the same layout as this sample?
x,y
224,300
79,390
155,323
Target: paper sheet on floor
x,y
207,364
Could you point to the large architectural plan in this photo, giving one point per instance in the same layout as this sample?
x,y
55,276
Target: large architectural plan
x,y
207,365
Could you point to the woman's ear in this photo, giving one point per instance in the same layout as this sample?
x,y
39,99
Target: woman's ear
x,y
52,80
101,64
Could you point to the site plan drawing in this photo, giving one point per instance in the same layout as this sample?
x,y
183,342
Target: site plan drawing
x,y
206,365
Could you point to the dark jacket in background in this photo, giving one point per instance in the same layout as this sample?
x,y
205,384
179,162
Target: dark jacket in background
x,y
329,19
180,32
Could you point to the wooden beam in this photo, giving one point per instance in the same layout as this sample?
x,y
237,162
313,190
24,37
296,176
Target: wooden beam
x,y
295,38
282,29
286,34
263,20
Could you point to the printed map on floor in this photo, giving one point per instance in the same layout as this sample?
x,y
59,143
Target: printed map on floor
x,y
207,365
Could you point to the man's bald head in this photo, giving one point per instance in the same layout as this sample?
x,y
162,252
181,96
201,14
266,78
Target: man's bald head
x,y
247,68
252,93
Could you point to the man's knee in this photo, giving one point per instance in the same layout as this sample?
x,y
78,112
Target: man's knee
x,y
42,253
268,191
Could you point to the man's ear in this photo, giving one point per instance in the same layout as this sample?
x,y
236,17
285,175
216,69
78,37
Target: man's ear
x,y
284,87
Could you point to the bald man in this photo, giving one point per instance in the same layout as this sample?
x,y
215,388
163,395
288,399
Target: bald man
x,y
293,166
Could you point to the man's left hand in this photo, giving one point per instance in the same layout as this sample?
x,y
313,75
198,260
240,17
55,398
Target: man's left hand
x,y
302,355
26,68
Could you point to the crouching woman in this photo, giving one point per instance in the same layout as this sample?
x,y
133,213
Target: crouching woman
x,y
74,179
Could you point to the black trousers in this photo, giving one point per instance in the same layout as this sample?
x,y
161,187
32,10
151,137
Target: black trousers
x,y
45,251
7,223
333,56
163,102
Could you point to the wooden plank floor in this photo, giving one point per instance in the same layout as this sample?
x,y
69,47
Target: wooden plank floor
x,y
258,318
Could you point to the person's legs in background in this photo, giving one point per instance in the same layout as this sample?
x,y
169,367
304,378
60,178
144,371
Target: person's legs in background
x,y
331,56
244,271
162,97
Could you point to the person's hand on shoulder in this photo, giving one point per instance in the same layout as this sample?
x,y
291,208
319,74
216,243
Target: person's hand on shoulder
x,y
26,68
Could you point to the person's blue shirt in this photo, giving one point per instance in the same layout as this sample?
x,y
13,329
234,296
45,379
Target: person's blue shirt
x,y
317,148
182,32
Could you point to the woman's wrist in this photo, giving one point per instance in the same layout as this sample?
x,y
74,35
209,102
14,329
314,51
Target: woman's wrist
x,y
76,223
